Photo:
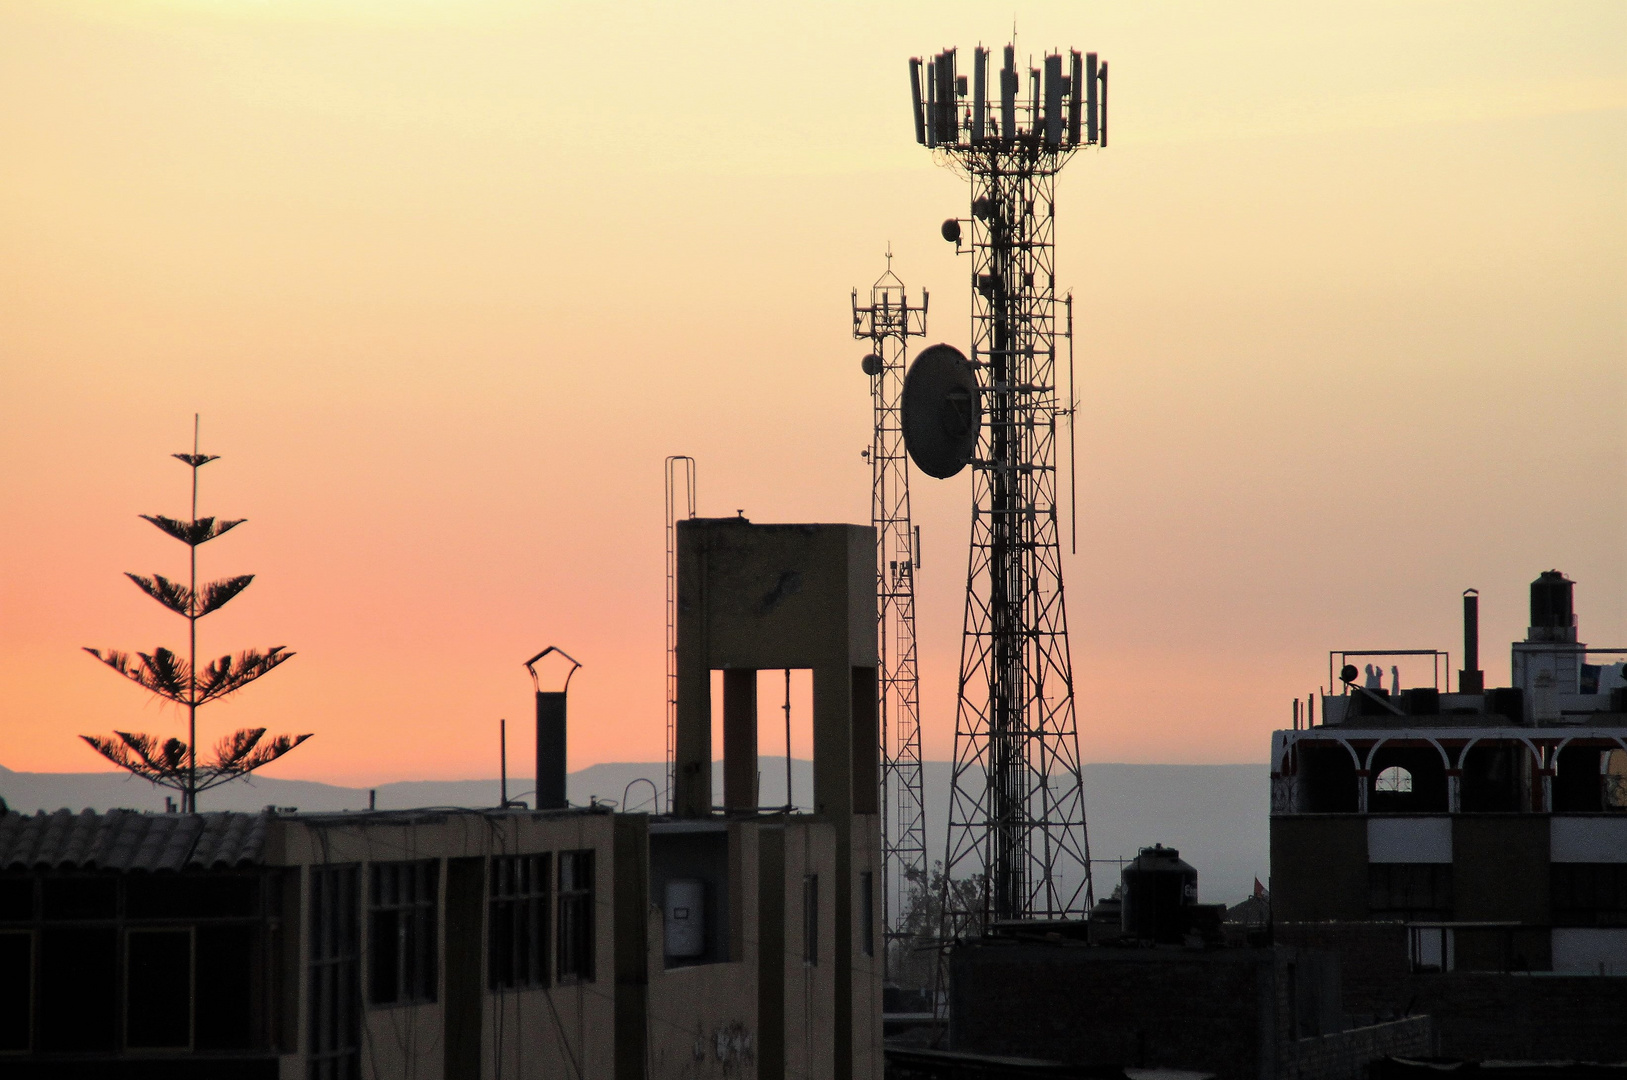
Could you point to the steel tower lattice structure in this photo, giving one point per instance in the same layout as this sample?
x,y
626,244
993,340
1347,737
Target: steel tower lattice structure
x,y
1017,813
887,323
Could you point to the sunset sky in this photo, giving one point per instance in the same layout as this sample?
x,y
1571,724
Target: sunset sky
x,y
447,281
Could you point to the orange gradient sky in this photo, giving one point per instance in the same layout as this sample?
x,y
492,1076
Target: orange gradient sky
x,y
447,280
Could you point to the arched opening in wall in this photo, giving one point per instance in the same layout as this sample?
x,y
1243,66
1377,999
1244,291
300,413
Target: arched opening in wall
x,y
1578,781
1327,778
1496,778
1615,780
1393,781
1408,780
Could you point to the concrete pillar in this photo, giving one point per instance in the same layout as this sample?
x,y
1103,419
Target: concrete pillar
x,y
740,739
833,695
692,764
1454,791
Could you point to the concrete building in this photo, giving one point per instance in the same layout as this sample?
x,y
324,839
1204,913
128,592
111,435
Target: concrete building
x,y
1155,980
1466,853
582,943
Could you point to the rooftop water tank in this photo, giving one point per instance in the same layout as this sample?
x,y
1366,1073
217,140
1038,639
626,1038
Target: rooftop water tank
x,y
1158,889
1553,615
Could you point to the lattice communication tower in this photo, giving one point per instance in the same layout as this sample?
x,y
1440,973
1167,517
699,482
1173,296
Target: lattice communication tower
x,y
1017,813
887,323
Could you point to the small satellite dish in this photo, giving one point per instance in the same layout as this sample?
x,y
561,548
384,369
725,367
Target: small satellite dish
x,y
943,411
982,208
951,231
1348,673
871,365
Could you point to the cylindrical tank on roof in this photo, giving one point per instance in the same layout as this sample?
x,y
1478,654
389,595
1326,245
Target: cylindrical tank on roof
x,y
685,918
1158,887
1553,616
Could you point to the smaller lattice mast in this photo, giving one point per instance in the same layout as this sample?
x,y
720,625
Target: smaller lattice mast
x,y
887,322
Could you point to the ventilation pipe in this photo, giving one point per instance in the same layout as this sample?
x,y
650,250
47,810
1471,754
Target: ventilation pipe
x,y
1471,680
551,733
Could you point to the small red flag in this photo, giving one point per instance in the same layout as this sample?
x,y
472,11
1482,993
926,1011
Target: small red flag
x,y
1259,890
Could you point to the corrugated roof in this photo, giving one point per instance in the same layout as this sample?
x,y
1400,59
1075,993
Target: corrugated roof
x,y
129,840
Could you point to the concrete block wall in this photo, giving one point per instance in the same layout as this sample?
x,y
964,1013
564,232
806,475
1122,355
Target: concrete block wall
x,y
1346,1055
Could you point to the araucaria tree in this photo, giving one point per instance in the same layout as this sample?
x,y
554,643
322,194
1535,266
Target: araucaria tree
x,y
173,763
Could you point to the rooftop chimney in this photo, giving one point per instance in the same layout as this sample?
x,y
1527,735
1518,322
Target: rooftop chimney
x,y
1471,680
550,749
551,734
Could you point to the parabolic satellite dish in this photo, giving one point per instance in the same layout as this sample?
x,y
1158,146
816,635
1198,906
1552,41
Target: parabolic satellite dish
x,y
943,411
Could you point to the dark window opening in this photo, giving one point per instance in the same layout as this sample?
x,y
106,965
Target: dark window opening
x,y
1327,779
334,998
576,916
76,898
1589,894
16,989
867,913
191,896
158,989
78,987
401,932
1418,890
810,919
16,899
517,941
1494,779
228,970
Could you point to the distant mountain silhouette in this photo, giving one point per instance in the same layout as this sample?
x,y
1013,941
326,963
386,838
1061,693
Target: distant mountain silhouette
x,y
1215,814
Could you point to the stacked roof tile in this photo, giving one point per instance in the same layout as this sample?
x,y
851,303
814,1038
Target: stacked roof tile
x,y
130,840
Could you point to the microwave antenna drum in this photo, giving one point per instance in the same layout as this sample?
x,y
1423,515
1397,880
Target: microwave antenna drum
x,y
943,411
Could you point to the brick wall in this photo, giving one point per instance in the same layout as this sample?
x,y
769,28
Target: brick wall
x,y
1102,1006
1346,1055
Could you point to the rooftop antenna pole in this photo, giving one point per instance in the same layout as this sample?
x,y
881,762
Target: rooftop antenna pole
x,y
679,467
502,759
1017,813
790,803
886,324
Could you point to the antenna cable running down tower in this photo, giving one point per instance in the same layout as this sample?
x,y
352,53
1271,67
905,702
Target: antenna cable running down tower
x,y
887,323
1017,813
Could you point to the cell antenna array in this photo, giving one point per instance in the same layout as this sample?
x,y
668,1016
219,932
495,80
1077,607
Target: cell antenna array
x,y
1017,813
887,323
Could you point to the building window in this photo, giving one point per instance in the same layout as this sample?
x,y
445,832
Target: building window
x,y
158,979
16,988
867,913
335,990
517,944
1431,948
810,919
576,916
401,919
1394,780
1420,888
1614,780
1589,894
